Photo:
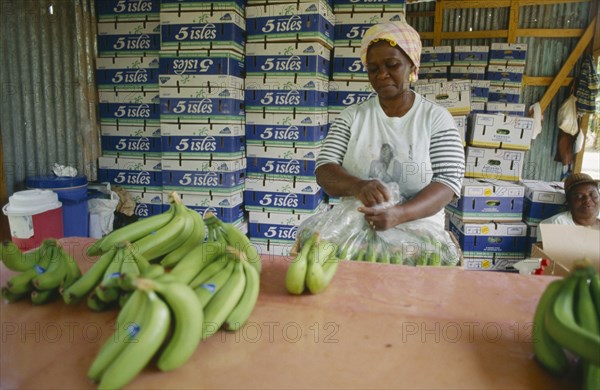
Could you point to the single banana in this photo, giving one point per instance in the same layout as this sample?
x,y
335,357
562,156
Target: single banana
x,y
210,270
23,282
89,279
238,240
295,277
141,261
241,312
132,232
55,274
154,326
548,352
15,260
587,317
126,330
129,267
107,290
188,317
124,298
73,271
562,326
167,238
595,291
96,304
12,297
206,289
225,300
195,238
39,297
197,259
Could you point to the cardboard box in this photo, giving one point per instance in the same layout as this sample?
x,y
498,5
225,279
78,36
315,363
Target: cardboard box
x,y
489,200
238,6
566,244
433,74
227,207
490,264
470,55
282,94
201,105
461,126
282,196
302,130
292,22
345,6
480,239
504,94
202,68
478,107
500,131
274,227
467,73
542,200
122,39
206,177
131,173
347,65
128,10
199,30
480,90
532,236
268,250
306,59
513,109
139,108
132,141
508,54
503,75
436,56
454,95
351,27
343,94
122,73
281,163
148,203
203,141
494,164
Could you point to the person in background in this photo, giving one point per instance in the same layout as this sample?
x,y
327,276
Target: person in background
x,y
428,155
583,206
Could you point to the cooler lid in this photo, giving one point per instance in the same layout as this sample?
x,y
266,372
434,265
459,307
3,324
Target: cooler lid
x,y
53,181
31,202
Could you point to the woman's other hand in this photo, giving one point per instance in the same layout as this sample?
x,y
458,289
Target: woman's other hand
x,y
372,192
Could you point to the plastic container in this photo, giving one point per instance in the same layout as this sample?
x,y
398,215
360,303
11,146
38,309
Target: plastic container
x,y
72,193
33,216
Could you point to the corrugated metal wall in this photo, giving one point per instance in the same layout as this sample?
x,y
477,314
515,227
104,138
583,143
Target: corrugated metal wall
x,y
545,57
48,100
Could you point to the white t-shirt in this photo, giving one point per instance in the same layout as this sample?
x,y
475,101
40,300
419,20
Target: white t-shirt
x,y
564,218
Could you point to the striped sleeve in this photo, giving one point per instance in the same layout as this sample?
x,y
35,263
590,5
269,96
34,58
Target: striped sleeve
x,y
335,144
448,159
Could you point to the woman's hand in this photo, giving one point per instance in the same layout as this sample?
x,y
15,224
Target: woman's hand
x,y
372,192
383,219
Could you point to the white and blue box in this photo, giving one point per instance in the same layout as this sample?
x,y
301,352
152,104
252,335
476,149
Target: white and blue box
x,y
132,141
488,200
202,5
432,74
490,264
467,72
351,27
228,207
542,200
203,141
480,90
140,108
131,173
470,55
281,162
202,176
503,75
511,109
504,94
291,22
343,94
501,131
122,10
123,73
286,94
282,196
201,68
147,203
436,56
288,59
482,239
201,105
455,96
347,64
346,6
284,129
200,30
127,39
494,164
508,54
274,227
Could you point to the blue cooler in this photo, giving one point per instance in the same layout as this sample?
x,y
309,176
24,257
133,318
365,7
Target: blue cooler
x,y
72,193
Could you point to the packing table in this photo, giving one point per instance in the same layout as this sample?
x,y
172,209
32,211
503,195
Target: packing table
x,y
376,326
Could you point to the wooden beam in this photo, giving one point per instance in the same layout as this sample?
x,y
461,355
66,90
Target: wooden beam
x,y
537,81
475,34
475,4
550,32
568,65
513,21
437,23
550,2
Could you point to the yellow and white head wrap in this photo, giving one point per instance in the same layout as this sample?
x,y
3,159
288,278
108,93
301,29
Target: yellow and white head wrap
x,y
396,33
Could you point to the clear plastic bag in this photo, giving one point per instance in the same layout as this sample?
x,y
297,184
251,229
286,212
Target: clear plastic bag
x,y
420,242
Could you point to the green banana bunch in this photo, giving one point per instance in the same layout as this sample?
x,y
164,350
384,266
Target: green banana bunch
x,y
51,269
567,318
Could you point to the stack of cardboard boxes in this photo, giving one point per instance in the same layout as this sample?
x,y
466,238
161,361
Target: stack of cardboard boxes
x,y
286,102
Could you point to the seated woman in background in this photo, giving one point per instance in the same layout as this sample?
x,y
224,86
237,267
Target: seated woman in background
x,y
583,208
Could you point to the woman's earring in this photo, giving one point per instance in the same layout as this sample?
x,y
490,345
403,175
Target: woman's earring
x,y
412,78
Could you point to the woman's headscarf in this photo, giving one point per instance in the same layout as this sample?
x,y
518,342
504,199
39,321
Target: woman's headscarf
x,y
396,33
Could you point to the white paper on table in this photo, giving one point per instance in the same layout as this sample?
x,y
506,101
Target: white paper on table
x,y
566,243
